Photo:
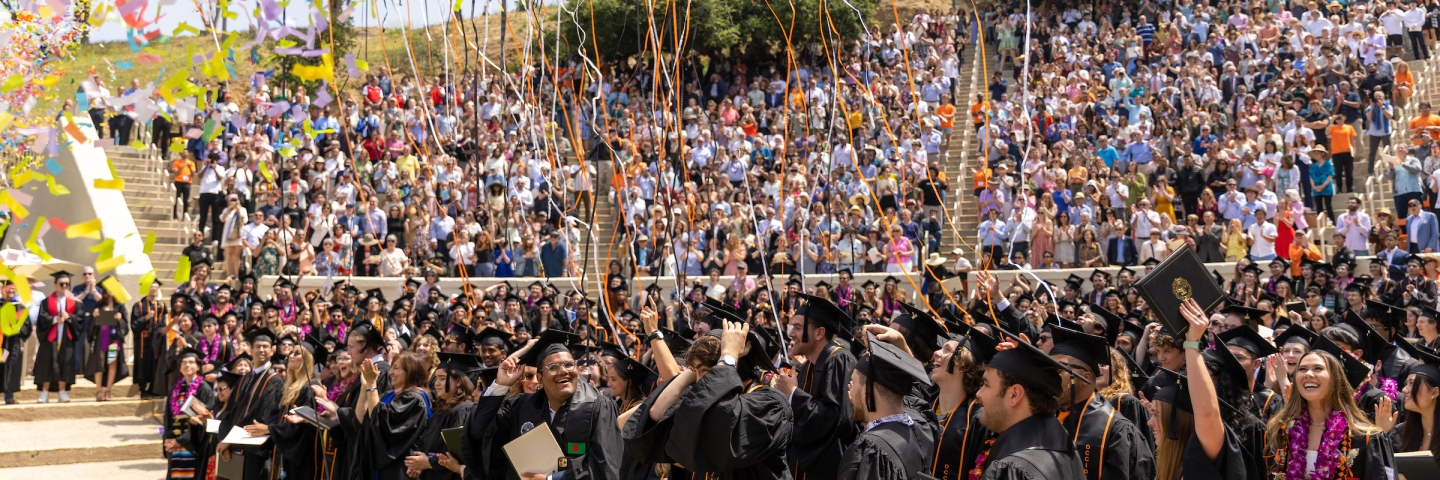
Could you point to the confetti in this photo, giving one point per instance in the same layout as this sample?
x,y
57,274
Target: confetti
x,y
113,287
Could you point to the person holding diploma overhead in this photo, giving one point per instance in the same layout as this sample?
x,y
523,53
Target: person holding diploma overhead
x,y
59,330
582,420
1228,436
391,424
105,363
254,406
294,439
189,392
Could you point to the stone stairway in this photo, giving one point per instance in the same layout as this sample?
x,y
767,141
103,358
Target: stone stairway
x,y
150,196
117,440
963,158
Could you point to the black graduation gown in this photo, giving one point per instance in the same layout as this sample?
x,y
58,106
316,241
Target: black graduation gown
x,y
927,424
1238,460
256,400
54,360
390,432
1267,402
190,437
143,317
887,452
165,367
960,440
1369,400
1036,448
1130,407
1370,457
348,449
602,446
297,443
823,413
728,429
1110,447
337,451
435,444
96,356
13,370
477,443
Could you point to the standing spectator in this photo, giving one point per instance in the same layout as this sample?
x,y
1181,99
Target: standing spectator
x,y
1423,229
1406,176
233,235
1378,115
555,256
1261,237
212,178
181,171
1354,225
1322,181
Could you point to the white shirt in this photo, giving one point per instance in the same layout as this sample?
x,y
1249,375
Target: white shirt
x,y
1394,22
211,178
1262,246
1356,228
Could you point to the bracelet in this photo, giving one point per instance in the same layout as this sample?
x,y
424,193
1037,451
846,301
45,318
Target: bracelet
x,y
372,389
1192,345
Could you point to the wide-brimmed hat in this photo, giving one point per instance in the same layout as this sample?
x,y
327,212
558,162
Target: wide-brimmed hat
x,y
1319,152
935,259
368,240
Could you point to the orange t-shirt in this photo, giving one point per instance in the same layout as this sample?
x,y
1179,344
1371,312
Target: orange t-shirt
x,y
1296,252
1340,138
947,115
1421,121
977,112
183,170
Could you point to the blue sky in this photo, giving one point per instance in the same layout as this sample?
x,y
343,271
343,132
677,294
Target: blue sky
x,y
392,14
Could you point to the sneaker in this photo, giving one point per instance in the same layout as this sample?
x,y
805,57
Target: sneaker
x,y
64,397
44,397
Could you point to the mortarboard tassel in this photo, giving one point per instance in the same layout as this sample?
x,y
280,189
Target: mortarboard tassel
x,y
870,385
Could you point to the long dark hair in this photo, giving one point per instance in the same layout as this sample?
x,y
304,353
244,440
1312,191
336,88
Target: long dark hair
x,y
1412,434
1237,404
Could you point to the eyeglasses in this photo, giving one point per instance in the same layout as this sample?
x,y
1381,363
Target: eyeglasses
x,y
558,367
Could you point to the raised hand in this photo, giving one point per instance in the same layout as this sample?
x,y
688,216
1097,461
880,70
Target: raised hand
x,y
509,373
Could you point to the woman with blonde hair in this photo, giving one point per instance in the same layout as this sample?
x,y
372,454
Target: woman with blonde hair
x,y
295,439
1321,433
1404,84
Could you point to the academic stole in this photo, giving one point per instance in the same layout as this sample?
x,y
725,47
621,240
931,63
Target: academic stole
x,y
1085,456
944,427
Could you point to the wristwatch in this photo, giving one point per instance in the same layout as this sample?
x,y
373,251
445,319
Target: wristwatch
x,y
726,360
1192,345
655,335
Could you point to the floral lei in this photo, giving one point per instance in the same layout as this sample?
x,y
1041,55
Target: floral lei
x,y
981,460
336,390
211,348
1387,385
1333,442
177,401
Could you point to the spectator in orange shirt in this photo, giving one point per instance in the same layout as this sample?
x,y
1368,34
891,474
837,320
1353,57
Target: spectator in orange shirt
x,y
978,111
1424,123
1342,148
182,169
946,111
1302,246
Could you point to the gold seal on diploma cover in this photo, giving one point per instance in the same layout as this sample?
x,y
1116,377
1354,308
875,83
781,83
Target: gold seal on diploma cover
x,y
1181,288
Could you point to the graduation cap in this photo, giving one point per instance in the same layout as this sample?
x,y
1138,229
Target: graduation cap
x,y
1150,263
1250,340
634,371
1088,349
208,318
1074,281
237,359
373,336
827,314
1031,366
1374,346
1389,315
485,375
1099,272
677,343
283,282
1322,267
980,345
1229,365
1283,263
1251,316
257,334
1113,323
1299,335
1125,270
822,284
1356,371
462,363
1252,269
793,282
60,275
869,283
1174,390
230,378
921,326
412,282
376,294
1132,328
763,348
271,306
493,336
890,367
1428,366
1138,378
434,333
551,342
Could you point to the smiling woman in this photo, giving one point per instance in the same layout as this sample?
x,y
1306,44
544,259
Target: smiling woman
x,y
1322,433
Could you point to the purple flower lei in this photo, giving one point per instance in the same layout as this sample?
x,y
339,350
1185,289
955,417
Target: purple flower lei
x,y
1335,429
212,349
1387,385
177,401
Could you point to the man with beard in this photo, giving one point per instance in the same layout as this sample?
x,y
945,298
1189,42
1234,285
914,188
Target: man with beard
x,y
435,303
958,372
1020,397
1110,446
889,448
818,393
582,420
686,421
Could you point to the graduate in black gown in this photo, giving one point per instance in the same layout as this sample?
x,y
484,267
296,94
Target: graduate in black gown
x,y
1251,350
583,420
59,330
392,423
1364,451
817,391
226,381
255,406
453,388
295,440
1228,438
12,371
1110,446
958,373
717,418
343,447
889,448
1019,400
629,383
145,315
186,456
